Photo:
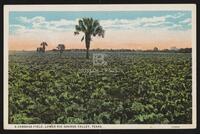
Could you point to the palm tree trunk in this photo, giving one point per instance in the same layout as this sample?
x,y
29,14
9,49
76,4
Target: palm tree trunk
x,y
43,48
87,53
87,43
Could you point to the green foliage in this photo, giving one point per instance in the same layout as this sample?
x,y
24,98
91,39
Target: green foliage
x,y
132,88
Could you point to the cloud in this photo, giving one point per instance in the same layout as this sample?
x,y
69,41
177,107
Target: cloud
x,y
23,19
14,29
17,26
139,22
36,19
175,16
164,24
146,22
39,23
186,21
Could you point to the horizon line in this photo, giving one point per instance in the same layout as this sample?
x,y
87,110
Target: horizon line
x,y
108,49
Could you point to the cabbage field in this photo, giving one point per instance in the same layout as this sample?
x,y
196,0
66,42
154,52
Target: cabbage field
x,y
132,88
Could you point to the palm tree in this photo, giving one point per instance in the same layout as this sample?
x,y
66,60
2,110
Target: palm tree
x,y
43,44
61,48
155,49
89,27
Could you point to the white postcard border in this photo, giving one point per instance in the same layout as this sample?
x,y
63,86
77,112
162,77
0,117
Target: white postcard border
x,y
102,7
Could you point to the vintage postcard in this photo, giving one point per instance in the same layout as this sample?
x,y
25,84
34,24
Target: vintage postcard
x,y
100,66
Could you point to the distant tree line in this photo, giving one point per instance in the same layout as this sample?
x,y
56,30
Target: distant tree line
x,y
181,50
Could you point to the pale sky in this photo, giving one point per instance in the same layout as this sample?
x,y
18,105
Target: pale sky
x,y
124,29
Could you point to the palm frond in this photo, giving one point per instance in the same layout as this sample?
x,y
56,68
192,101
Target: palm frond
x,y
75,33
78,28
99,31
43,44
82,38
89,27
82,26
